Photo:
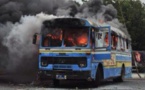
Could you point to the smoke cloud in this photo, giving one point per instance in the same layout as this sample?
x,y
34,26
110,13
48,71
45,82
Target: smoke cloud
x,y
20,20
18,55
12,10
96,9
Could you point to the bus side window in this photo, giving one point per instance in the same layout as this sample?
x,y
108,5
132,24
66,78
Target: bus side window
x,y
106,40
129,45
122,44
119,42
114,41
46,41
99,39
125,45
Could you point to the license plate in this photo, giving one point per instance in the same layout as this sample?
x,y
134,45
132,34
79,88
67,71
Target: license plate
x,y
61,77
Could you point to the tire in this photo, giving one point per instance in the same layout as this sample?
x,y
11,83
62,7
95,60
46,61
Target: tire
x,y
99,78
121,77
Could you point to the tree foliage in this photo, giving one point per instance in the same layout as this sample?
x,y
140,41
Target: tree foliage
x,y
132,14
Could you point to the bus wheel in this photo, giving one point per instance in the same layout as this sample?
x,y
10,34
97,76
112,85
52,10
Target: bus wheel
x,y
121,77
56,82
99,77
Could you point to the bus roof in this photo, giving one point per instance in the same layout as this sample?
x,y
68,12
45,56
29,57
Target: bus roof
x,y
67,22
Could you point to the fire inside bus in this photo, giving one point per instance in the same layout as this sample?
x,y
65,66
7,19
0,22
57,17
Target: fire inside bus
x,y
75,49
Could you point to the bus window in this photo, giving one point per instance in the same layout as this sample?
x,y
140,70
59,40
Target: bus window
x,y
122,44
106,40
76,37
99,39
119,43
114,42
127,46
82,39
46,42
52,38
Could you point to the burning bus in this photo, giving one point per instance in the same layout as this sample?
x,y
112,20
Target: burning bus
x,y
75,49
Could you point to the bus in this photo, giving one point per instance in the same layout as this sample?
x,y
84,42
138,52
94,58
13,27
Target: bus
x,y
77,49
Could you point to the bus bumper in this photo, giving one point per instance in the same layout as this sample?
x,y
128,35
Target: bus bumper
x,y
66,75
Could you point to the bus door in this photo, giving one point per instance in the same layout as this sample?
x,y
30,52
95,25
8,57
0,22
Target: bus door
x,y
103,50
103,38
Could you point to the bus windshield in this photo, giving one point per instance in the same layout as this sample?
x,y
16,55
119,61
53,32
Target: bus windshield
x,y
66,37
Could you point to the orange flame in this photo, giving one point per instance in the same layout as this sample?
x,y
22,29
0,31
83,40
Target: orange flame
x,y
56,36
106,39
82,39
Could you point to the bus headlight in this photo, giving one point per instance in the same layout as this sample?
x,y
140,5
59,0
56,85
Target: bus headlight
x,y
44,63
82,63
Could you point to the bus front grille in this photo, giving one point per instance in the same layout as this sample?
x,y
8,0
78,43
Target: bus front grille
x,y
62,60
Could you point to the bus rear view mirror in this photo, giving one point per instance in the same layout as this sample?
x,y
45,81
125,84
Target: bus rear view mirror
x,y
36,38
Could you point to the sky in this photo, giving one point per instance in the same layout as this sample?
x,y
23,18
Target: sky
x,y
143,1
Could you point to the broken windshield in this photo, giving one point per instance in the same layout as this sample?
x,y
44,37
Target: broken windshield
x,y
76,37
66,37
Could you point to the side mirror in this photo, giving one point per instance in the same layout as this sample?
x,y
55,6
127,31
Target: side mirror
x,y
36,39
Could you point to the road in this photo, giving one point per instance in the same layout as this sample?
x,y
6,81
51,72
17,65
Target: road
x,y
130,84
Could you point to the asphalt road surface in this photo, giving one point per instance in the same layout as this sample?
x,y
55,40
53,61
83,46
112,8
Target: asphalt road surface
x,y
128,84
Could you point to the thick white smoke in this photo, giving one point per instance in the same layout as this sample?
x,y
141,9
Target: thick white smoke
x,y
18,55
19,40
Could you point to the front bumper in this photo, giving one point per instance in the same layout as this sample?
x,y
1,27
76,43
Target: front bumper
x,y
79,75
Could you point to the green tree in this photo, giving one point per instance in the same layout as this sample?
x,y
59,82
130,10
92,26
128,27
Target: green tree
x,y
132,14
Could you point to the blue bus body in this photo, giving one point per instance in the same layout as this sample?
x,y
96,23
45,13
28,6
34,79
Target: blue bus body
x,y
82,63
